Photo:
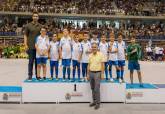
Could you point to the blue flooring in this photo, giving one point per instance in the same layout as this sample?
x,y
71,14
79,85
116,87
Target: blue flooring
x,y
128,86
137,86
34,80
10,89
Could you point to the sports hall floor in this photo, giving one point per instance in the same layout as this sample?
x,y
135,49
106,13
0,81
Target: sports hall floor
x,y
14,71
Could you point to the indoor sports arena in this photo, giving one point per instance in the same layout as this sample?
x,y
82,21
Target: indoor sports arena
x,y
98,56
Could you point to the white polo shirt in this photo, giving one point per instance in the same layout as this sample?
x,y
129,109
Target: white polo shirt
x,y
43,44
161,51
148,49
113,56
103,47
157,50
76,50
121,50
65,44
54,51
94,41
85,46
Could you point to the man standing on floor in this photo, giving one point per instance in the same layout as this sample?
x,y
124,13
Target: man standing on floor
x,y
95,73
32,30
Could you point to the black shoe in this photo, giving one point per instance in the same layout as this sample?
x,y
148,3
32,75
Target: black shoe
x,y
92,104
57,78
117,78
29,79
97,106
44,78
39,78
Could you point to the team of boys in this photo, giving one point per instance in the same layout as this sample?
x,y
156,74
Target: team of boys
x,y
71,50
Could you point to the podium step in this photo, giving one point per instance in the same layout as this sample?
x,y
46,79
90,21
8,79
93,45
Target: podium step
x,y
59,91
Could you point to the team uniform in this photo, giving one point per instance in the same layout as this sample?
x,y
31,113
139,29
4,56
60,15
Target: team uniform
x,y
133,58
103,47
65,45
94,41
113,59
134,54
54,57
43,44
121,57
161,53
85,46
76,51
157,53
149,52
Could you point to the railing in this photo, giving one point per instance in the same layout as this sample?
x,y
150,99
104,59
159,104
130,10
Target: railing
x,y
82,16
8,33
11,40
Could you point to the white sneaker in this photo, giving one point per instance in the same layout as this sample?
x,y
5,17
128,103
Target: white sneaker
x,y
29,80
82,80
85,79
120,80
57,79
111,79
123,81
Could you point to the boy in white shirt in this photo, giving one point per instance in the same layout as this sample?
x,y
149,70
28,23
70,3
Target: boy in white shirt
x,y
42,48
76,51
161,53
94,39
121,57
85,51
65,53
103,47
149,52
54,56
156,49
113,60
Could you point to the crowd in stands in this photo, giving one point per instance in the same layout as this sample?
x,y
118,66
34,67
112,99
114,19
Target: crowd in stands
x,y
141,7
148,31
8,27
105,7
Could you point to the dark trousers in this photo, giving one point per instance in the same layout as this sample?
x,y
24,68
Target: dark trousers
x,y
84,69
32,59
94,78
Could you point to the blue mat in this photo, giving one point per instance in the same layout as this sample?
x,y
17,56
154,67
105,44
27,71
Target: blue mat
x,y
128,86
114,81
34,80
10,89
137,86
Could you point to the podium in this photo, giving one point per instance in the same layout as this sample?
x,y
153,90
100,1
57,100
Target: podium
x,y
10,94
59,91
150,93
